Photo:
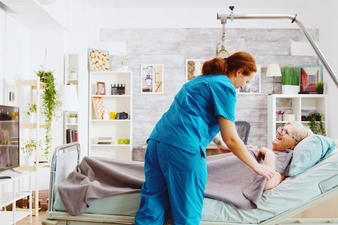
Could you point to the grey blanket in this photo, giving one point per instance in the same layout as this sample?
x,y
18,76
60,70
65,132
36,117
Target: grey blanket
x,y
229,180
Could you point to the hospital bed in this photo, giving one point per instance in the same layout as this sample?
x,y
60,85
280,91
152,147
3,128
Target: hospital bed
x,y
292,196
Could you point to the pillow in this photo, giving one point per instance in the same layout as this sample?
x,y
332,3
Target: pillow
x,y
310,151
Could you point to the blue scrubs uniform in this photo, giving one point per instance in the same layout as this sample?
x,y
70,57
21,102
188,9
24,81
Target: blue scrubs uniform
x,y
175,159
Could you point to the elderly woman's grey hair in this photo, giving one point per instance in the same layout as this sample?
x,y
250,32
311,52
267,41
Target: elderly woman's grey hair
x,y
299,130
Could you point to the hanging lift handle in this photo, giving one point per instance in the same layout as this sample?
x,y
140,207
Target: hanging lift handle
x,y
301,26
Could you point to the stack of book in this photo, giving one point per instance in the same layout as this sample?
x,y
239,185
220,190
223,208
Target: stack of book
x,y
71,136
104,140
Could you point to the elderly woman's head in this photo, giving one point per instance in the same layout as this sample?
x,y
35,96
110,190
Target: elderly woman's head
x,y
290,135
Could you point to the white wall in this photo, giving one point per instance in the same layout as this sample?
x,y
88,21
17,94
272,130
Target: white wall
x,y
2,54
314,14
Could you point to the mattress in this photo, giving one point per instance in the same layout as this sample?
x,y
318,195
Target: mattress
x,y
291,193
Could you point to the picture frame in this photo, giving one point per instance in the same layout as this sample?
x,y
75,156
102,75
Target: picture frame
x,y
101,88
309,76
152,78
98,108
193,68
98,60
254,86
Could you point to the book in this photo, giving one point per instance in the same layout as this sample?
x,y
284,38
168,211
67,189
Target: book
x,y
104,140
73,135
68,136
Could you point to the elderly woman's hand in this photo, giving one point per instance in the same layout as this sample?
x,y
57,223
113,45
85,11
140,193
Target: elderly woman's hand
x,y
263,151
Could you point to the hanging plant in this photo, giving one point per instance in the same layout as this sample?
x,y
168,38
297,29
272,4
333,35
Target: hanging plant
x,y
49,103
316,124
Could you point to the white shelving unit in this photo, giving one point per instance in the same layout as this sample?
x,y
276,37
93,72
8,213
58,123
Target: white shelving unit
x,y
298,104
115,129
71,64
35,88
10,191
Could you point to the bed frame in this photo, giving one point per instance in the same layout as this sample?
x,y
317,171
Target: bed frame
x,y
67,156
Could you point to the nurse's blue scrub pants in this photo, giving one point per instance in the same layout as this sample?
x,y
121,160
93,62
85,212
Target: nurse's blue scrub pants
x,y
175,179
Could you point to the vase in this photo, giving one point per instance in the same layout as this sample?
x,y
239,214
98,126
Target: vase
x,y
290,89
32,117
73,76
29,160
72,120
320,91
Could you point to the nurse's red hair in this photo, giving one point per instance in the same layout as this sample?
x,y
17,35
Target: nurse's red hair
x,y
238,60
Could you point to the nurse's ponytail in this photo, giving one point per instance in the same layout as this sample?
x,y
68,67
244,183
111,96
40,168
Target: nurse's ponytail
x,y
238,60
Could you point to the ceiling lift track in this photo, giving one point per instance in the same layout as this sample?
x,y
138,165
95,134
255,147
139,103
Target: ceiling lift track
x,y
224,17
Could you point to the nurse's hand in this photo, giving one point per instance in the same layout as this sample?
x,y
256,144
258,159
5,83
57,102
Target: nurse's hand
x,y
264,171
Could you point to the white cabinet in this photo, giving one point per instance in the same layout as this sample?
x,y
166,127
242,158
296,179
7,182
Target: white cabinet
x,y
11,190
71,77
110,95
300,105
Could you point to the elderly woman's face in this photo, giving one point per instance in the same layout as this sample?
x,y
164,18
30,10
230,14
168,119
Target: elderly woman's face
x,y
284,139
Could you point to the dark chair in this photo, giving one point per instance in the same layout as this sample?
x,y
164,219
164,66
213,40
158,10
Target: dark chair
x,y
243,130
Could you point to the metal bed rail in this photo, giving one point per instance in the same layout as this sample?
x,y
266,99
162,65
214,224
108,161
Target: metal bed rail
x,y
53,168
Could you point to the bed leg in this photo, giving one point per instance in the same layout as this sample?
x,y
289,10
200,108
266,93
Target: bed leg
x,y
49,222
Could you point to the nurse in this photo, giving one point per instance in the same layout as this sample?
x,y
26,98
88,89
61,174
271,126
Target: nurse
x,y
175,159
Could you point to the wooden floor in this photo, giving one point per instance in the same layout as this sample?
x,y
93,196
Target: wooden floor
x,y
36,219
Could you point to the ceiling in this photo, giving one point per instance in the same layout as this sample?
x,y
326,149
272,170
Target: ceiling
x,y
33,15
203,3
30,13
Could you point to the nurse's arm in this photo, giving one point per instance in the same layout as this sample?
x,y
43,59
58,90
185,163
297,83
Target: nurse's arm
x,y
236,145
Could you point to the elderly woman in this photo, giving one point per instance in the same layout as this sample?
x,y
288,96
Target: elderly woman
x,y
279,157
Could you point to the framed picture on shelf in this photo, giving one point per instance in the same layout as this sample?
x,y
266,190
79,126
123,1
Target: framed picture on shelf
x,y
254,86
98,108
101,88
193,68
98,60
309,76
152,78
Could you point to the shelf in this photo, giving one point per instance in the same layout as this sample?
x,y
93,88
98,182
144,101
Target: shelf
x,y
114,128
71,124
7,217
35,128
72,61
31,83
115,121
110,145
7,198
11,190
32,125
298,104
24,168
112,96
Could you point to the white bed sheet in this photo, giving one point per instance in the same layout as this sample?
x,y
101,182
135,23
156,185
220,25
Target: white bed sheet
x,y
291,193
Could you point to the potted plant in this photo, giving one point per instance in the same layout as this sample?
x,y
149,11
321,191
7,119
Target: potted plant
x,y
72,118
316,124
49,103
320,87
73,74
124,58
28,148
290,80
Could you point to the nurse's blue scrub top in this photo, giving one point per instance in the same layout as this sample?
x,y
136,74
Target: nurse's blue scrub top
x,y
191,121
